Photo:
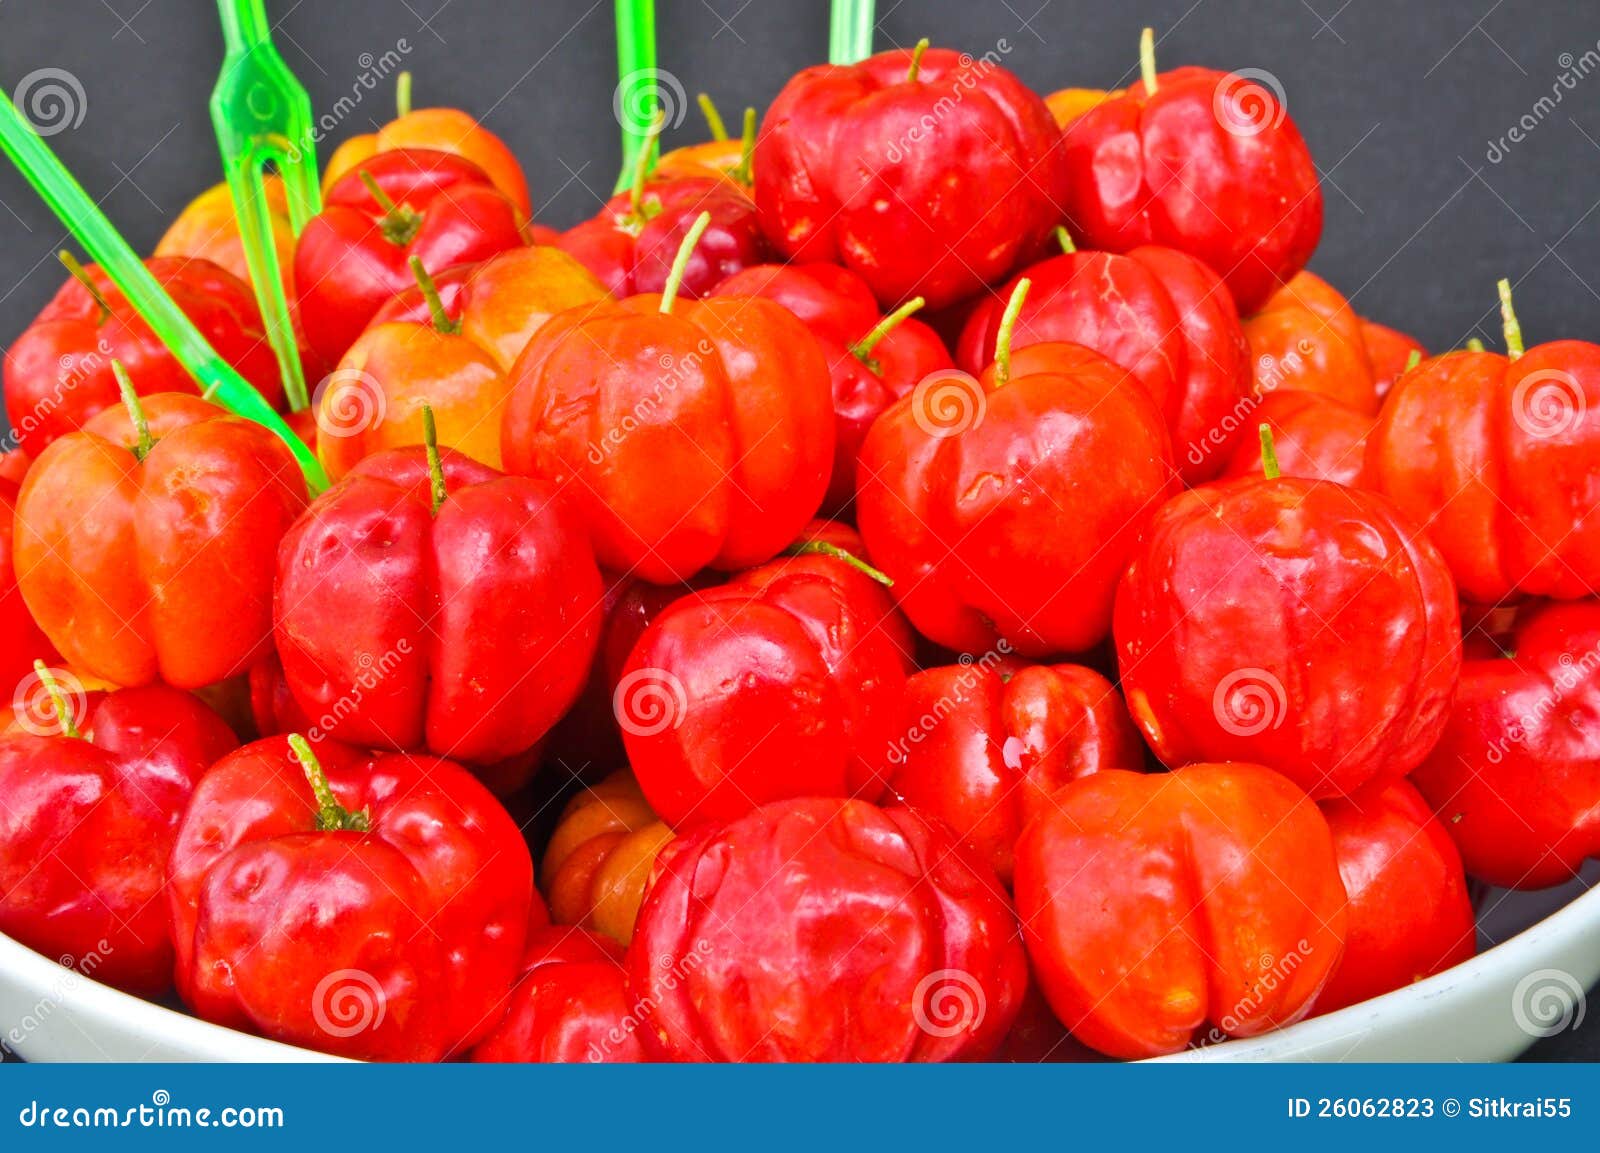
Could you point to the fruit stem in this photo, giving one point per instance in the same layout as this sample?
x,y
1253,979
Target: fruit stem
x,y
862,349
402,93
1064,238
916,60
430,293
1508,321
1413,360
823,548
430,444
641,162
130,401
1147,60
680,262
331,815
58,700
1008,324
1474,345
81,275
708,109
744,174
399,224
1269,454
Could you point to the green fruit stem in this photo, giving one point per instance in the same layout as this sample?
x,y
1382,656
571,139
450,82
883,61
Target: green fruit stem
x,y
862,349
1147,60
81,275
430,444
130,401
430,293
708,109
331,815
916,60
58,701
823,548
680,262
399,224
1508,321
1008,325
402,93
1269,454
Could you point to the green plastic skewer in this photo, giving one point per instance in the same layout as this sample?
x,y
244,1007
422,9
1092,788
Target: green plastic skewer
x,y
262,114
850,31
636,77
67,199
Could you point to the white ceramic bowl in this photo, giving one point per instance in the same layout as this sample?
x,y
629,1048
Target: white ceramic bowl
x,y
1488,1009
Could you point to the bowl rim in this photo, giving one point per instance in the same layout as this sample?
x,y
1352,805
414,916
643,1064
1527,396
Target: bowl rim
x,y
179,1031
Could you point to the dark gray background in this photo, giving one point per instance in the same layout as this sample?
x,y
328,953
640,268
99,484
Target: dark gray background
x,y
1399,102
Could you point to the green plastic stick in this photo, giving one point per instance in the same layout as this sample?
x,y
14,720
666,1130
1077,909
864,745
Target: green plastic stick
x,y
850,31
636,81
58,188
261,115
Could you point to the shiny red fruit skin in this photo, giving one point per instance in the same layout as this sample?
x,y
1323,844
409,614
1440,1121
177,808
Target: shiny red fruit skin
x,y
1409,915
345,268
1158,313
58,372
1164,168
1314,436
1154,904
1014,524
781,683
467,633
700,438
413,930
826,930
87,825
934,187
630,255
21,640
1516,777
160,568
1497,458
839,309
1297,624
571,1004
982,747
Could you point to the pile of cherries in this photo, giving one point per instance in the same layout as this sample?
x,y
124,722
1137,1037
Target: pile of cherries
x,y
932,579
